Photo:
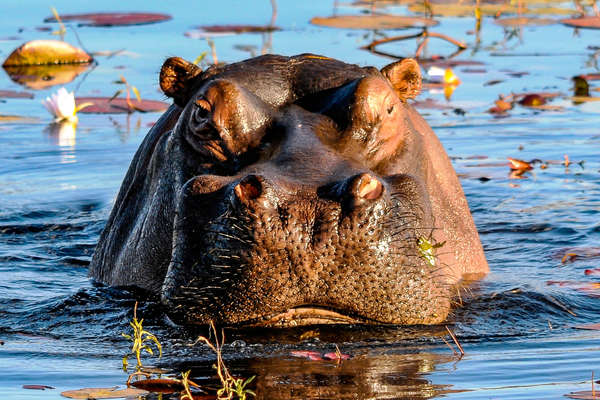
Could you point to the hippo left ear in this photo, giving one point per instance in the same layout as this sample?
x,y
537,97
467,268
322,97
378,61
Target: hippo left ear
x,y
175,77
405,77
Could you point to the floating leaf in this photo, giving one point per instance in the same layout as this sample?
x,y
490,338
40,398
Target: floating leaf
x,y
532,100
520,21
519,165
103,393
202,32
159,385
45,52
16,118
113,19
458,9
590,327
11,94
104,105
593,271
37,387
584,395
373,22
582,22
39,77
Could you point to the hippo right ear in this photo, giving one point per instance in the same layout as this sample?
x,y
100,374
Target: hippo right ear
x,y
175,77
405,77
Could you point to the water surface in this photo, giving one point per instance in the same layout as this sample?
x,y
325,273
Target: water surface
x,y
516,326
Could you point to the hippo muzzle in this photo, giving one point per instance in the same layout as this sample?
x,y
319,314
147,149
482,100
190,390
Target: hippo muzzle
x,y
284,191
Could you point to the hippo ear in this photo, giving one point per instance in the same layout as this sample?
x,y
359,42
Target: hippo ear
x,y
405,77
175,76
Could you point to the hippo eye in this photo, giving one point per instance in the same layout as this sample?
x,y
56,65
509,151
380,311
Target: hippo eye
x,y
202,109
390,109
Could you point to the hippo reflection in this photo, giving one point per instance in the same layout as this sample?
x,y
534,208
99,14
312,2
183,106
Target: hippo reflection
x,y
283,191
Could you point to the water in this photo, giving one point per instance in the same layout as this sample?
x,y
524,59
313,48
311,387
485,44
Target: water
x,y
516,327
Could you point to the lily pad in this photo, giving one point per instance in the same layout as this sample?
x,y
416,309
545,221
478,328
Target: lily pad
x,y
113,19
39,77
525,21
373,22
103,393
46,52
582,22
584,395
202,32
12,94
104,105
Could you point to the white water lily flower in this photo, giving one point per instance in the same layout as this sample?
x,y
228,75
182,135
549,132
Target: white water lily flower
x,y
436,71
62,106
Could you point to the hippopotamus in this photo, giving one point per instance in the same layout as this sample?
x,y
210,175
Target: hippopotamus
x,y
283,191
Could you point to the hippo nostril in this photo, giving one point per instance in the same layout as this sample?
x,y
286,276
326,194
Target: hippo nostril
x,y
366,186
248,189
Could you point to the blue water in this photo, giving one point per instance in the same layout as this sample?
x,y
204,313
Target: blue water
x,y
517,329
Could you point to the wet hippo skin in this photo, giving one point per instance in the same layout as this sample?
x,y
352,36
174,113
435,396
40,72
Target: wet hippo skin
x,y
282,191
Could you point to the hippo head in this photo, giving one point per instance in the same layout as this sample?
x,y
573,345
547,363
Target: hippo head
x,y
282,191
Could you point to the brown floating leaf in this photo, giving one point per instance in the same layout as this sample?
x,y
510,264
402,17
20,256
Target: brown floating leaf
x,y
584,395
458,9
46,52
39,77
159,385
37,387
520,21
103,393
104,105
373,22
532,100
16,118
12,94
113,19
519,165
582,22
589,327
202,32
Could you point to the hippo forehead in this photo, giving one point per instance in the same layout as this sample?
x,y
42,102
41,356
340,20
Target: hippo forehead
x,y
234,113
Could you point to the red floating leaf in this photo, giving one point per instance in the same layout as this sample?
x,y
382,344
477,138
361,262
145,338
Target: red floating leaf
x,y
311,355
582,22
593,271
113,19
104,105
11,94
37,387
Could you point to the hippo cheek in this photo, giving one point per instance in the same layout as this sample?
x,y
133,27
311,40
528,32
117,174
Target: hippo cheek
x,y
251,251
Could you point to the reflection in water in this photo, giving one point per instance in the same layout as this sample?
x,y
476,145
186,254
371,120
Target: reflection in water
x,y
40,77
63,134
380,376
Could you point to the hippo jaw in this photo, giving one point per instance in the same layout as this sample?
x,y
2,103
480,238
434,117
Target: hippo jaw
x,y
285,191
